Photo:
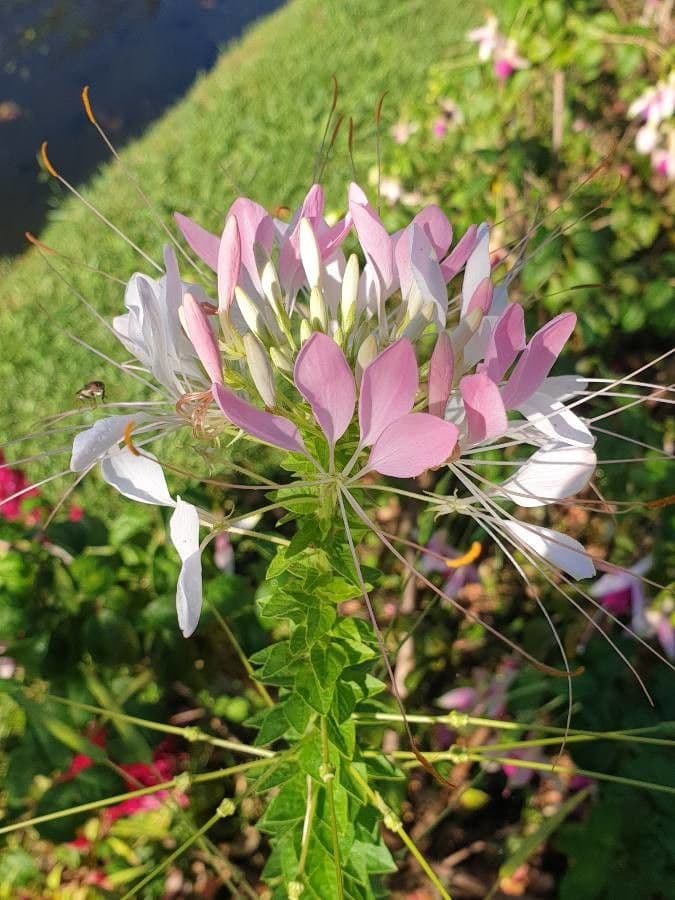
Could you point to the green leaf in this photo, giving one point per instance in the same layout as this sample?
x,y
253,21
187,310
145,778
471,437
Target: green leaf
x,y
316,678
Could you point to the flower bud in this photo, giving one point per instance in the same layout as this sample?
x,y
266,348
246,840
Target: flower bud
x,y
350,292
281,359
309,254
251,313
318,314
260,368
271,287
305,330
366,354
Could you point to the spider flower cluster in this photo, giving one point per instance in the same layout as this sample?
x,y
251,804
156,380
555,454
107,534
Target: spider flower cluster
x,y
403,357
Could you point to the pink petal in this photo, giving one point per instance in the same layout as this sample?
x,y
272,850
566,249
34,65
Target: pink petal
x,y
204,244
435,225
485,413
537,360
202,338
388,390
229,263
331,238
323,377
506,341
454,263
313,204
481,297
376,243
256,227
411,445
441,369
269,429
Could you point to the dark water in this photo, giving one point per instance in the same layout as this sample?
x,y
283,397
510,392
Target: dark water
x,y
137,55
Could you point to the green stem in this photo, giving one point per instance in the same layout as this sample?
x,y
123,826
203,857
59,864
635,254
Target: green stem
x,y
394,824
260,688
328,776
188,733
460,754
307,826
459,720
180,781
166,862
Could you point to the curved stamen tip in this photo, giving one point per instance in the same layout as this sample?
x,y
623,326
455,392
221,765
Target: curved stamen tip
x,y
87,104
469,557
37,243
45,161
128,440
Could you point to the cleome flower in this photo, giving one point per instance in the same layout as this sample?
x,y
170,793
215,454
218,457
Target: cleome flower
x,y
403,357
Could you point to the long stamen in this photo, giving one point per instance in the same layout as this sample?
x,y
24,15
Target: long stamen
x,y
86,102
90,206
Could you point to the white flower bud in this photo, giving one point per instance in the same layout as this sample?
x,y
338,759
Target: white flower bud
x,y
271,287
309,254
281,360
251,313
318,314
350,293
260,368
305,330
366,354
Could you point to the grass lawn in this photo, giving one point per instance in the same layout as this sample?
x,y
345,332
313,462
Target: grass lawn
x,y
252,126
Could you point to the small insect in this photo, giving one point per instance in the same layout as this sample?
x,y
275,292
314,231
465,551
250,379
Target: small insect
x,y
92,390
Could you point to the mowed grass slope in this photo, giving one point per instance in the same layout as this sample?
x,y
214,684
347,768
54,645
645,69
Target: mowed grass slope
x,y
253,126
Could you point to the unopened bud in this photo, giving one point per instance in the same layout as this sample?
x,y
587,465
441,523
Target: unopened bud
x,y
271,287
295,890
337,334
309,254
366,354
281,360
260,368
226,808
305,331
350,293
414,300
251,313
318,314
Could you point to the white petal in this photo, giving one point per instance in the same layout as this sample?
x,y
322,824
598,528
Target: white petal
x,y
560,550
96,441
477,267
184,529
546,411
550,474
139,478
